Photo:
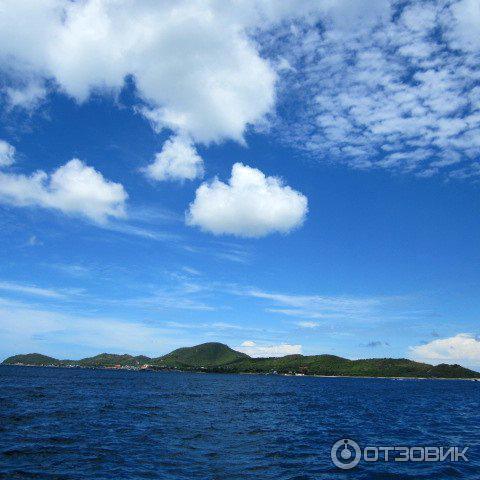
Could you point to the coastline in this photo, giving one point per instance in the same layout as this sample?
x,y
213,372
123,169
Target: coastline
x,y
177,370
214,357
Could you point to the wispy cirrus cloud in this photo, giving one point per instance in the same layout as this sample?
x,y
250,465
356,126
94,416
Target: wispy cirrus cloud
x,y
70,269
230,251
221,327
31,290
317,307
66,335
184,295
191,271
308,324
141,231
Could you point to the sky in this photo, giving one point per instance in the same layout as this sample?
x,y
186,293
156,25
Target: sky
x,y
283,177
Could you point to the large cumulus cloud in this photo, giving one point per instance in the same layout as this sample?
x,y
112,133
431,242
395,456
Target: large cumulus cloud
x,y
194,67
249,205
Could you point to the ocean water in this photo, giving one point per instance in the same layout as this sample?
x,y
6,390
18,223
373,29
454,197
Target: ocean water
x,y
101,424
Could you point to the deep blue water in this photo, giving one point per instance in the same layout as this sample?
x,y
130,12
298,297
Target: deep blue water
x,y
100,424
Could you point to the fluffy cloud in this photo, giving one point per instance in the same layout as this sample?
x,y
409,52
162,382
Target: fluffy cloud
x,y
74,188
193,65
463,347
381,84
256,350
178,160
250,205
7,154
198,67
400,93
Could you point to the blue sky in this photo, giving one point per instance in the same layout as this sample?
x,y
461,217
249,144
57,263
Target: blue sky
x,y
283,179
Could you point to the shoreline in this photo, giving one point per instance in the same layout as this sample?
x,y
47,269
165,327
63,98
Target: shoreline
x,y
79,367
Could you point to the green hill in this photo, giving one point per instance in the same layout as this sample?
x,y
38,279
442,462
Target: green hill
x,y
330,365
102,360
217,357
33,359
110,360
205,355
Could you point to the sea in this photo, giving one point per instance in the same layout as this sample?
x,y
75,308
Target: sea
x,y
82,424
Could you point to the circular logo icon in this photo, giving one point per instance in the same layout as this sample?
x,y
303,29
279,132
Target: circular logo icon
x,y
346,454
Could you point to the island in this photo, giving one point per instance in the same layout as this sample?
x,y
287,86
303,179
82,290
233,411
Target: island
x,y
216,357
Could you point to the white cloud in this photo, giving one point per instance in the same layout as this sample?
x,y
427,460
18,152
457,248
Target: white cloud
x,y
260,350
372,84
27,96
195,69
73,188
320,307
465,23
24,328
7,154
33,241
196,66
184,296
463,347
178,160
391,94
191,271
30,290
250,205
71,269
307,324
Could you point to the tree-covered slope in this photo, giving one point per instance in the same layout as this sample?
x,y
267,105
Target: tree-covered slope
x,y
33,359
110,360
102,360
204,355
333,365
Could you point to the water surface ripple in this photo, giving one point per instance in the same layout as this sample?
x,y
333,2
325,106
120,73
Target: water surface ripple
x,y
100,424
